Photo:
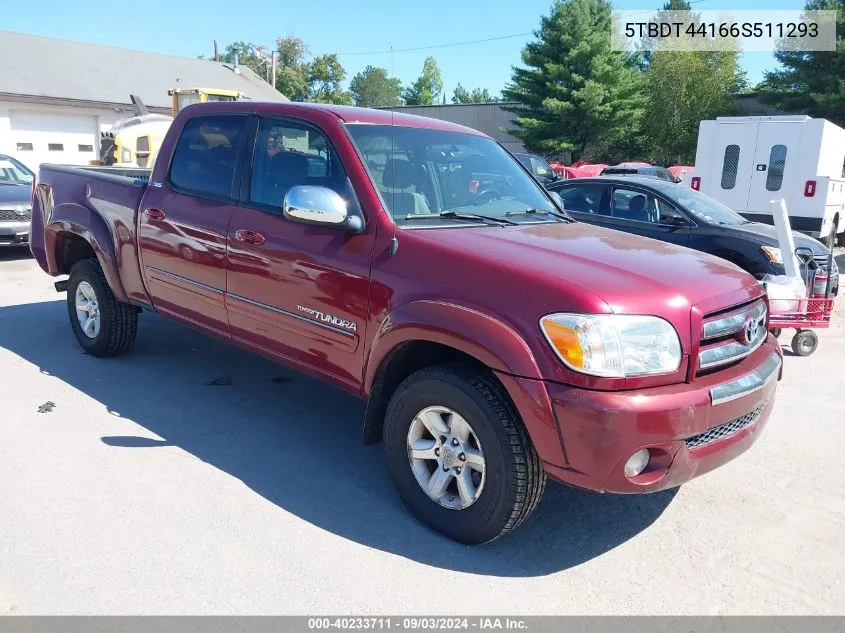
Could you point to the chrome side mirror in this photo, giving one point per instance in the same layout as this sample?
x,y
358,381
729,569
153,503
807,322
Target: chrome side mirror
x,y
319,205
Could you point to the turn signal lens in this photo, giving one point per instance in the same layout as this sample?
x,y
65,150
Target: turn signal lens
x,y
565,341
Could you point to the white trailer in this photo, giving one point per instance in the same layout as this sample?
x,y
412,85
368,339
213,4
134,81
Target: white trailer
x,y
745,162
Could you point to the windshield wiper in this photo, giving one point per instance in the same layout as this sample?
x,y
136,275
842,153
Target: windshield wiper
x,y
543,211
461,216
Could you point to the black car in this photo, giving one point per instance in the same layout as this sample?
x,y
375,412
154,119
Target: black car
x,y
640,170
539,167
15,202
675,213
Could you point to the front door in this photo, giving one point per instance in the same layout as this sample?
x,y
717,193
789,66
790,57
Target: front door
x,y
298,291
638,211
184,221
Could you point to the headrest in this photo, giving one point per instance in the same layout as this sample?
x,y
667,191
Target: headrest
x,y
398,174
636,204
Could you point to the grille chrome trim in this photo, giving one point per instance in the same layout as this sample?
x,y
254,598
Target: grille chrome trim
x,y
733,323
749,383
9,215
728,353
725,430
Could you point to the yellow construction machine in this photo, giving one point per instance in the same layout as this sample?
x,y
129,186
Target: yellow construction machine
x,y
135,142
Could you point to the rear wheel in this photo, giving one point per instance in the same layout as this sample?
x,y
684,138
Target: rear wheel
x,y
831,240
805,342
459,455
103,325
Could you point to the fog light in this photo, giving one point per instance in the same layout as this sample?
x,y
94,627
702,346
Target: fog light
x,y
637,463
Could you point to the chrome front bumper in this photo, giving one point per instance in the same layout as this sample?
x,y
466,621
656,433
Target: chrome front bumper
x,y
749,383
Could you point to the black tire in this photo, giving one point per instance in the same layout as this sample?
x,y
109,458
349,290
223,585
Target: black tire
x,y
840,239
804,343
514,477
118,321
775,331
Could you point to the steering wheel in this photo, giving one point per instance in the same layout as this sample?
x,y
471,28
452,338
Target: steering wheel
x,y
485,196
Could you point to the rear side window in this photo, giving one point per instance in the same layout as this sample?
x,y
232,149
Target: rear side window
x,y
583,198
206,155
730,164
777,160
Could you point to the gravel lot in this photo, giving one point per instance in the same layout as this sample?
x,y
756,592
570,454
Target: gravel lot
x,y
130,486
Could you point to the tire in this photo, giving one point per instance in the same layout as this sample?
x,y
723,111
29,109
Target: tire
x,y
118,322
775,331
840,239
804,343
513,479
831,240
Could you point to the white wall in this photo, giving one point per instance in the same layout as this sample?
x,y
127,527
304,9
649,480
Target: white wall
x,y
105,119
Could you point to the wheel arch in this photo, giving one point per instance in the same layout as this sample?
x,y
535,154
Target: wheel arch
x,y
425,333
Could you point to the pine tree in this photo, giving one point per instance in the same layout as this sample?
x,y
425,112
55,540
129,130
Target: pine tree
x,y
577,95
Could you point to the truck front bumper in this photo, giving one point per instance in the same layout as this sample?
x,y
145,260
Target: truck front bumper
x,y
14,233
688,429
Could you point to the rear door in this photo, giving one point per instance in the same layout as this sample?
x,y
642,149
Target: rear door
x,y
183,221
775,172
583,200
733,158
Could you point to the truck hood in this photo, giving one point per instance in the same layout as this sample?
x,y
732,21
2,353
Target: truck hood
x,y
631,274
15,194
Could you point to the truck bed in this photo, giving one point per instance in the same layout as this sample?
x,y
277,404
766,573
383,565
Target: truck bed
x,y
136,175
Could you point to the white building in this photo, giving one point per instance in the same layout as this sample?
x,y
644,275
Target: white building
x,y
56,96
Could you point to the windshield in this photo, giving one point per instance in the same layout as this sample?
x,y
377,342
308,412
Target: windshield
x,y
422,173
703,206
13,172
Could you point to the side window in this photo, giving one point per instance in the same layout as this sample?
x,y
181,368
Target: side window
x,y
730,164
667,214
582,198
526,161
288,154
206,155
628,204
777,160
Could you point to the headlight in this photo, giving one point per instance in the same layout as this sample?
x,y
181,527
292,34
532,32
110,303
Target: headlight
x,y
22,210
613,345
773,254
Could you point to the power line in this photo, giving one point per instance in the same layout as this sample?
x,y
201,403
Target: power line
x,y
425,48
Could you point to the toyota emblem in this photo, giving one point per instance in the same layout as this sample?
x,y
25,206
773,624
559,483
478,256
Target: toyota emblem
x,y
751,331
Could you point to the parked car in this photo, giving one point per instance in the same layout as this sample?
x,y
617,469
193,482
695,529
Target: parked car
x,y
15,201
637,169
675,213
496,341
538,166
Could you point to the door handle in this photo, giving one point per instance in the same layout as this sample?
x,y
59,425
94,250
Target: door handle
x,y
249,237
155,214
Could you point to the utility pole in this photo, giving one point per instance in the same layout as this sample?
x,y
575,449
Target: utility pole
x,y
216,58
273,69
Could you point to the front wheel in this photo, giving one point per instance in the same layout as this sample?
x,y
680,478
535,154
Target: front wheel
x,y
459,454
805,342
103,325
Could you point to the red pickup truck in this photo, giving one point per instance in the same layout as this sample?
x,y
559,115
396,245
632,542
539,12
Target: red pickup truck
x,y
418,265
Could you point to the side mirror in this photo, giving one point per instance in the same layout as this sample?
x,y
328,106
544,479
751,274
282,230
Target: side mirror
x,y
319,205
556,197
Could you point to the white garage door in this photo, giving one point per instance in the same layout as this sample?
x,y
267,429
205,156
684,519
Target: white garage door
x,y
44,137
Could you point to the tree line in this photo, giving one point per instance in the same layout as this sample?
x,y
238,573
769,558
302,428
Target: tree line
x,y
574,98
301,77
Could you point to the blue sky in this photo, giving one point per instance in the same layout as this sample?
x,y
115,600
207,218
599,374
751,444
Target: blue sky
x,y
329,26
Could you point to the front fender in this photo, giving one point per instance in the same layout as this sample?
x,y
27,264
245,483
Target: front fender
x,y
481,336
485,338
87,224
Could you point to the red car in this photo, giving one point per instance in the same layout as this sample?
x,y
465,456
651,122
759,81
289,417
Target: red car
x,y
418,265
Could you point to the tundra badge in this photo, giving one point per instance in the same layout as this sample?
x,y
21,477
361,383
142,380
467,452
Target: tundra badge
x,y
328,318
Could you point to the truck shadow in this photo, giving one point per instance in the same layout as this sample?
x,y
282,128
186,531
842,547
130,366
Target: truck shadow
x,y
297,442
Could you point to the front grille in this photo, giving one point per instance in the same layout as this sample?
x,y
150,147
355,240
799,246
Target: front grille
x,y
724,430
7,215
731,335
